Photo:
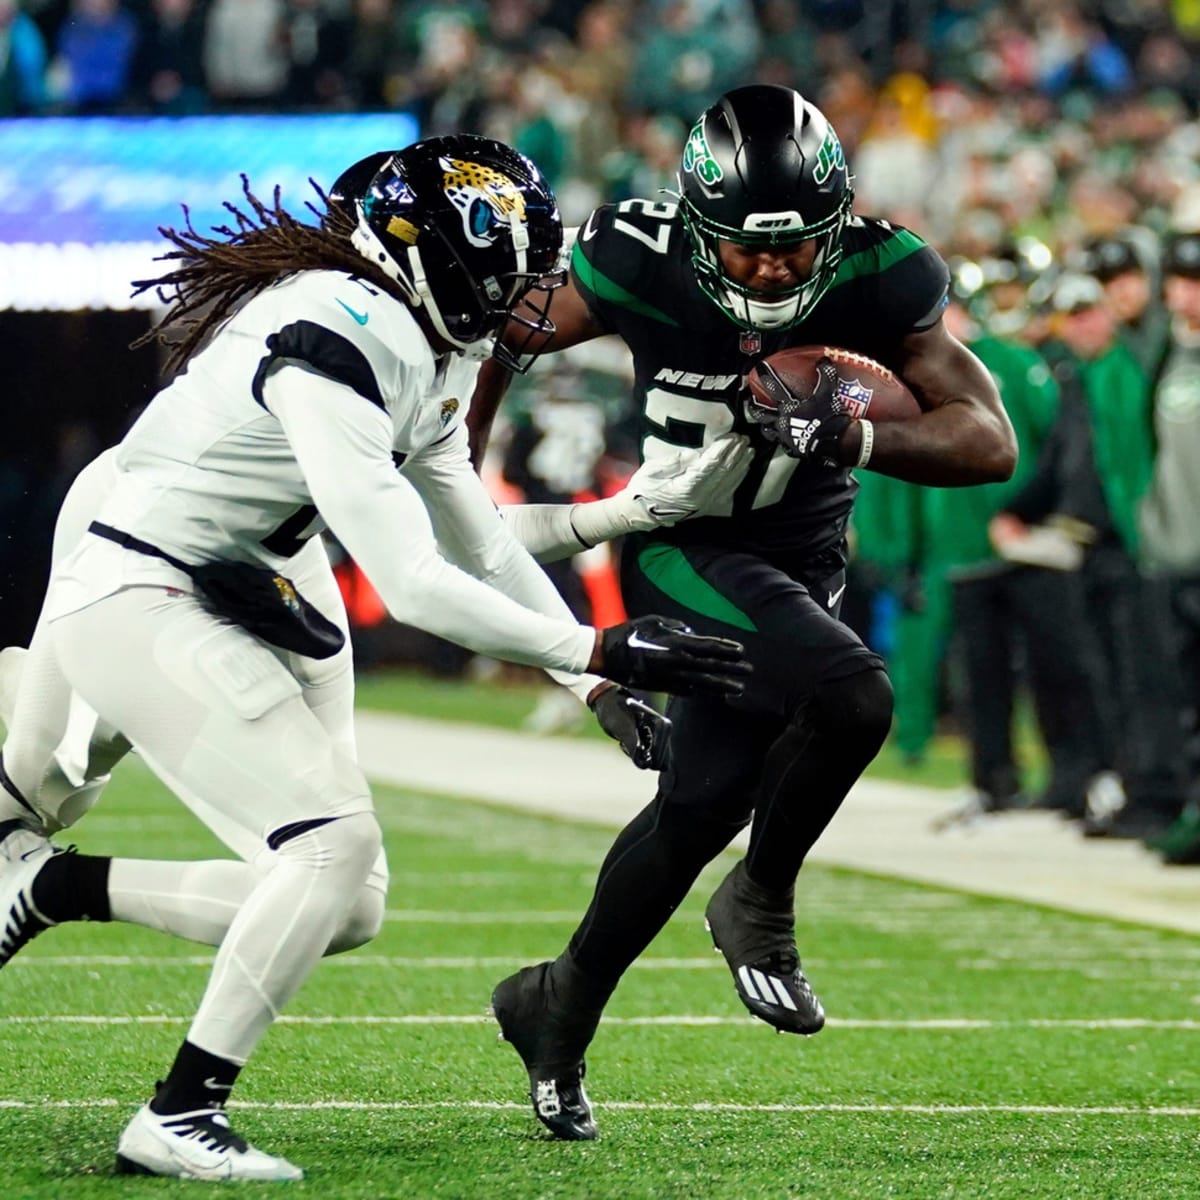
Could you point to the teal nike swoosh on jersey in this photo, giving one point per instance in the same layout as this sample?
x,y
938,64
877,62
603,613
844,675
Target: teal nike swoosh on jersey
x,y
361,318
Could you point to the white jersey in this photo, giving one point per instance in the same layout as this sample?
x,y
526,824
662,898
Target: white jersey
x,y
321,402
207,472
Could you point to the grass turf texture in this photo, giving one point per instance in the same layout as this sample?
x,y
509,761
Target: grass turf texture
x,y
976,1048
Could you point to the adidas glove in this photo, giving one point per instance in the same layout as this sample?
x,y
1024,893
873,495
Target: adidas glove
x,y
808,428
641,731
659,654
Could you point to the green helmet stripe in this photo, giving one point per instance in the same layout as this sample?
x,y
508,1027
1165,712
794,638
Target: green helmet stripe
x,y
604,288
668,569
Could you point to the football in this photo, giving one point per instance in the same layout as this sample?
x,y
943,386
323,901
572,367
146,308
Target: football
x,y
861,386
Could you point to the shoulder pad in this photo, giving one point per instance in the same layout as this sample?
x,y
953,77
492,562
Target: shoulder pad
x,y
625,257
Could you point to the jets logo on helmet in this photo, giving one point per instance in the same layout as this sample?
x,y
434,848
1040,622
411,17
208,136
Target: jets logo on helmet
x,y
764,168
698,158
830,157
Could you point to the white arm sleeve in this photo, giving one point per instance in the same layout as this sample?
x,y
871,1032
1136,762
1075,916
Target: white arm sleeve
x,y
662,491
553,531
343,444
472,536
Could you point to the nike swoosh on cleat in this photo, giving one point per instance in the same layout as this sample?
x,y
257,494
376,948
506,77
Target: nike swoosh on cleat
x,y
361,318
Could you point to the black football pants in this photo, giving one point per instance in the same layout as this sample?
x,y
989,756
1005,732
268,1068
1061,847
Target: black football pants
x,y
1037,616
815,712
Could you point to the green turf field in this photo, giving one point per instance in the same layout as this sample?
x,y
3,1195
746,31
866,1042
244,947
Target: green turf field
x,y
975,1048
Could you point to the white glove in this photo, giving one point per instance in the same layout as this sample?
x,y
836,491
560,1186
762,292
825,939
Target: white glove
x,y
692,483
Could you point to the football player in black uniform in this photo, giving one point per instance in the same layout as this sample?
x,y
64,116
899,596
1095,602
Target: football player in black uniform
x,y
760,251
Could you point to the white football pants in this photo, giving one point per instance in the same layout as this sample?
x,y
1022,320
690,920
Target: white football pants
x,y
221,720
58,753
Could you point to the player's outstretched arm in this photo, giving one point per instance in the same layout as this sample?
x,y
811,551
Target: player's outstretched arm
x,y
661,492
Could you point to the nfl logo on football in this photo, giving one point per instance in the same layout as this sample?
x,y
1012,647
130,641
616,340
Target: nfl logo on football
x,y
851,397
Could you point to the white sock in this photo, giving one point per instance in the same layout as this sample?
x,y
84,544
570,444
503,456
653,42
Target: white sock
x,y
198,900
193,900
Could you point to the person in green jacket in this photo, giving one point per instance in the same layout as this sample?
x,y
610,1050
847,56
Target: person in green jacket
x,y
1014,619
911,620
1093,470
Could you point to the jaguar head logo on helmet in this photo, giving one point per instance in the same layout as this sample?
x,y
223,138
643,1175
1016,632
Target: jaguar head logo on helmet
x,y
764,170
467,228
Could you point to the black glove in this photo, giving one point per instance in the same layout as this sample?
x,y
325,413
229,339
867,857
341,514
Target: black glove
x,y
641,731
808,428
658,654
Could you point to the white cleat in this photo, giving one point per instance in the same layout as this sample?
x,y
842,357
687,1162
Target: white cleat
x,y
23,853
195,1145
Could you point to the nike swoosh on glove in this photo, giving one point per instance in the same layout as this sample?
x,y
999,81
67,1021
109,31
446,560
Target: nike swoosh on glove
x,y
692,483
641,731
660,654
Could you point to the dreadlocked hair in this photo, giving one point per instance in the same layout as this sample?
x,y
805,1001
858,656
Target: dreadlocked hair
x,y
216,275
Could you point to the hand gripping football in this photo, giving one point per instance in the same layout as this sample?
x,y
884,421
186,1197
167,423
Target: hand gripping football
x,y
860,386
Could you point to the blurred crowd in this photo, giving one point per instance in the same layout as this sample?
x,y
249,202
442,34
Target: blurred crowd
x,y
1049,148
965,118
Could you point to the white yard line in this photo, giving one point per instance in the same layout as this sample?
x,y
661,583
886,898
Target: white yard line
x,y
883,827
420,916
379,960
939,1024
935,1110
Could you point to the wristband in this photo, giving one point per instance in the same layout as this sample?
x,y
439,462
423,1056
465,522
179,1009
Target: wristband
x,y
868,442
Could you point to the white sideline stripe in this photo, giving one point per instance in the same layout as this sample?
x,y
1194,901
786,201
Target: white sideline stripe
x,y
337,960
683,1020
951,1110
707,963
434,917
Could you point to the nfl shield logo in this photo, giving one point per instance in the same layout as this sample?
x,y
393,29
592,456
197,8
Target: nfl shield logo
x,y
750,342
851,397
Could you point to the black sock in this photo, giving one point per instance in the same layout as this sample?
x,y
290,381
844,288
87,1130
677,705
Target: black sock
x,y
73,887
196,1080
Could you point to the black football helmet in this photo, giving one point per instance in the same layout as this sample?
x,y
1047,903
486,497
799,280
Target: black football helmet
x,y
351,185
468,228
763,167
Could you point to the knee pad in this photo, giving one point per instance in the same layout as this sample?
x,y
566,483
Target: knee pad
x,y
362,923
349,845
855,708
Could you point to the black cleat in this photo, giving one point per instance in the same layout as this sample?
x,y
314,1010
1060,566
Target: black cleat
x,y
757,935
551,1038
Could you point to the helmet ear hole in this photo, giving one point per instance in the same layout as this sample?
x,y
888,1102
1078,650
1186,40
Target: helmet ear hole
x,y
763,167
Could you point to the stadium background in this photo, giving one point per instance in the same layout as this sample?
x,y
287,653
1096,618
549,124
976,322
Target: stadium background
x,y
1003,132
977,1046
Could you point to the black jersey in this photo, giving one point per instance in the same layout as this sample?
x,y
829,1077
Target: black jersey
x,y
632,264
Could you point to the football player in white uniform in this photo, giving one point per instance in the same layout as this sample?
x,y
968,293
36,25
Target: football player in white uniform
x,y
331,391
